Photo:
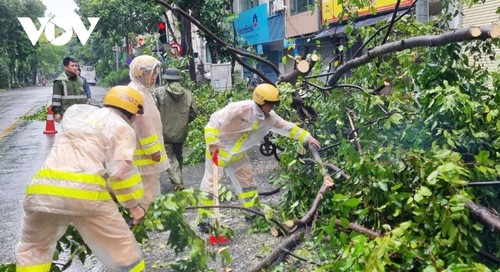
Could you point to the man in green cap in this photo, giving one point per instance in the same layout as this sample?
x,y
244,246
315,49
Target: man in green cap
x,y
177,108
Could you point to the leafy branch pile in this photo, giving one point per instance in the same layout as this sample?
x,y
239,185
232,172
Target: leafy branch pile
x,y
407,158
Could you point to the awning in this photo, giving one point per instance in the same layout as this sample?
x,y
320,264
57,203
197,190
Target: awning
x,y
339,29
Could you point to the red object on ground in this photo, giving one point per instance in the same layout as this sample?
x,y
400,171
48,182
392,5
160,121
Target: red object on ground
x,y
50,126
217,240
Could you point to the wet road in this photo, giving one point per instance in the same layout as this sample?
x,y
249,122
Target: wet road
x,y
23,148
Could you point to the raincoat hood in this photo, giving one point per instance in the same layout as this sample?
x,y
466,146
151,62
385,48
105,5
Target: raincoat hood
x,y
143,71
176,90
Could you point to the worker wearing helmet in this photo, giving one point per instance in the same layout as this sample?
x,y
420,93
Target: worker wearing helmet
x,y
177,109
149,156
233,130
91,161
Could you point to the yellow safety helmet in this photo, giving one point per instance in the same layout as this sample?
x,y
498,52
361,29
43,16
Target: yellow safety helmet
x,y
266,93
125,98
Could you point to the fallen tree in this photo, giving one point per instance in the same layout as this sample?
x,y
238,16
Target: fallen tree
x,y
415,191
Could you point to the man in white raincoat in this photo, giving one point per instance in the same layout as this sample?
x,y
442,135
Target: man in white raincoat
x,y
150,156
92,159
232,131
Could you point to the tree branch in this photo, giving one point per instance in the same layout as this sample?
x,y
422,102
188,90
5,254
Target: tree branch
x,y
218,40
391,23
307,66
350,116
332,167
289,243
299,258
470,33
382,28
491,219
483,183
357,228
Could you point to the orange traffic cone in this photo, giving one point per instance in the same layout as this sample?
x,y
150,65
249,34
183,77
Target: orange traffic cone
x,y
50,126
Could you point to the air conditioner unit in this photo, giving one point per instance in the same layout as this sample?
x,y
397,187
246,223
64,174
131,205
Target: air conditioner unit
x,y
278,5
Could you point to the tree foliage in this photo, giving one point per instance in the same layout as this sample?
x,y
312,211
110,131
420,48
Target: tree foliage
x,y
407,158
18,57
422,144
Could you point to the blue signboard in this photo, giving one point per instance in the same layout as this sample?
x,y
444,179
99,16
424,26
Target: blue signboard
x,y
252,25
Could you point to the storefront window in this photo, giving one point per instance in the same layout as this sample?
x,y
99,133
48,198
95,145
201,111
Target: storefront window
x,y
248,4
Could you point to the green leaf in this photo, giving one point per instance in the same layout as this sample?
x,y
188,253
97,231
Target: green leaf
x,y
382,186
352,202
432,177
481,134
424,191
483,157
345,223
338,197
418,197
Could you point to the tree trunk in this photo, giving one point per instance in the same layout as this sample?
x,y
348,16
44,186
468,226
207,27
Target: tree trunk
x,y
187,45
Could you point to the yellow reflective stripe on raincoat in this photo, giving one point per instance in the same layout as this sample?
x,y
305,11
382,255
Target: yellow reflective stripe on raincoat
x,y
149,161
251,195
42,189
240,141
212,131
301,133
148,151
71,176
223,157
126,197
126,183
239,156
211,135
223,153
248,194
210,139
248,204
34,268
73,97
148,140
243,137
139,267
255,125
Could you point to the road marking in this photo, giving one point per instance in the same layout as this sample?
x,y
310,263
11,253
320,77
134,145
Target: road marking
x,y
14,125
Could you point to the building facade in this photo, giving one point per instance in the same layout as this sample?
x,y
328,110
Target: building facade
x,y
483,14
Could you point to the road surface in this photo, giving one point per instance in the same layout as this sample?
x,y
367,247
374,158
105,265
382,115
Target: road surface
x,y
23,148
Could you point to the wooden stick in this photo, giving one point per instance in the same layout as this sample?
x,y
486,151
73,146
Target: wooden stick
x,y
215,177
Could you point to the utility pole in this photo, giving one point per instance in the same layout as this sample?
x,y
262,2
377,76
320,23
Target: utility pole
x,y
116,48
